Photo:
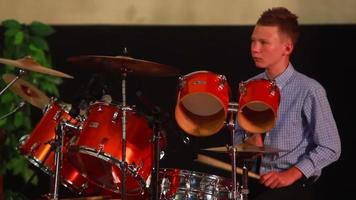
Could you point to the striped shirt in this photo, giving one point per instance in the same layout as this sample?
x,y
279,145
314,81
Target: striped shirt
x,y
305,127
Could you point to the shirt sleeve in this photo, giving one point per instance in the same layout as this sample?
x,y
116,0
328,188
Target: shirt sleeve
x,y
326,144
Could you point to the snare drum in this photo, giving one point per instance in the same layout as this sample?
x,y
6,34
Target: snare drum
x,y
258,105
36,147
202,103
97,154
177,184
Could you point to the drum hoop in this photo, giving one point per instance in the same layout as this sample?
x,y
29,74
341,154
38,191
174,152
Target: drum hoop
x,y
196,72
37,163
190,175
109,158
69,184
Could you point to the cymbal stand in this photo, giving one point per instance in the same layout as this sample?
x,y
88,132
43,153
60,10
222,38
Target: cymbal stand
x,y
156,158
244,182
231,126
20,73
124,108
58,156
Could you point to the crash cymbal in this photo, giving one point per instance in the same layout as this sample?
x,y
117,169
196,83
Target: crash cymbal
x,y
246,148
124,64
27,91
27,63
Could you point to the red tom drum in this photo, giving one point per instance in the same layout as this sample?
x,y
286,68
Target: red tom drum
x,y
202,103
258,105
97,154
36,147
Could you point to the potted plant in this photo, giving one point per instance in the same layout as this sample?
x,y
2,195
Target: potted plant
x,y
20,40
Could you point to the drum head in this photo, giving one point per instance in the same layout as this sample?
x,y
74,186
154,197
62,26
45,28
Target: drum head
x,y
258,105
202,103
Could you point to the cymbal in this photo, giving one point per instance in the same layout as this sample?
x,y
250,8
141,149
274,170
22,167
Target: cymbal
x,y
28,63
124,64
27,91
246,148
222,165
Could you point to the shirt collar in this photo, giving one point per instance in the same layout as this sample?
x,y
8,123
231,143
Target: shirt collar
x,y
283,78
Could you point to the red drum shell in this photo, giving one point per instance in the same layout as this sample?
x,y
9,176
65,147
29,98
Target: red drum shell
x,y
97,154
258,105
37,149
202,103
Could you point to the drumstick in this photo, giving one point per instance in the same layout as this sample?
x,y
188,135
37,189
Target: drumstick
x,y
222,165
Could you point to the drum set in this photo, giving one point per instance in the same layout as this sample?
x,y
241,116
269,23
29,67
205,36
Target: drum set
x,y
111,151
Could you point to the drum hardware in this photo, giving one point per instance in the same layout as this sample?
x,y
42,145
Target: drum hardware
x,y
12,79
58,156
17,108
156,139
156,158
231,127
29,64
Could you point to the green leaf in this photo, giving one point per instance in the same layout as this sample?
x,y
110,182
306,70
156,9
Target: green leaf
x,y
19,119
7,97
19,38
11,32
11,24
39,43
41,29
3,122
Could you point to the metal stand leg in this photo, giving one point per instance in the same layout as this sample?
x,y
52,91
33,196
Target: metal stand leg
x,y
156,158
58,148
59,140
19,74
231,125
244,186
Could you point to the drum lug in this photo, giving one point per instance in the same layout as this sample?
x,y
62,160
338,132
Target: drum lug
x,y
49,105
101,146
181,82
242,88
34,147
222,82
114,117
273,88
82,188
99,108
57,115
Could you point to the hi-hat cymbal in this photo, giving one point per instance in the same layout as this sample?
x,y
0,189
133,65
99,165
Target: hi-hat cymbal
x,y
246,148
124,64
27,91
27,63
222,165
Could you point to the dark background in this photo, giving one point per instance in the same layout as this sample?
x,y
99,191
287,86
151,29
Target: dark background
x,y
324,52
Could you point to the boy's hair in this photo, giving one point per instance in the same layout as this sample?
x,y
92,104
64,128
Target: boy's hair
x,y
286,21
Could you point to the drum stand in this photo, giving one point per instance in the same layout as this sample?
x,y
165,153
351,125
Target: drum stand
x,y
236,195
57,145
156,158
124,108
20,73
231,126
